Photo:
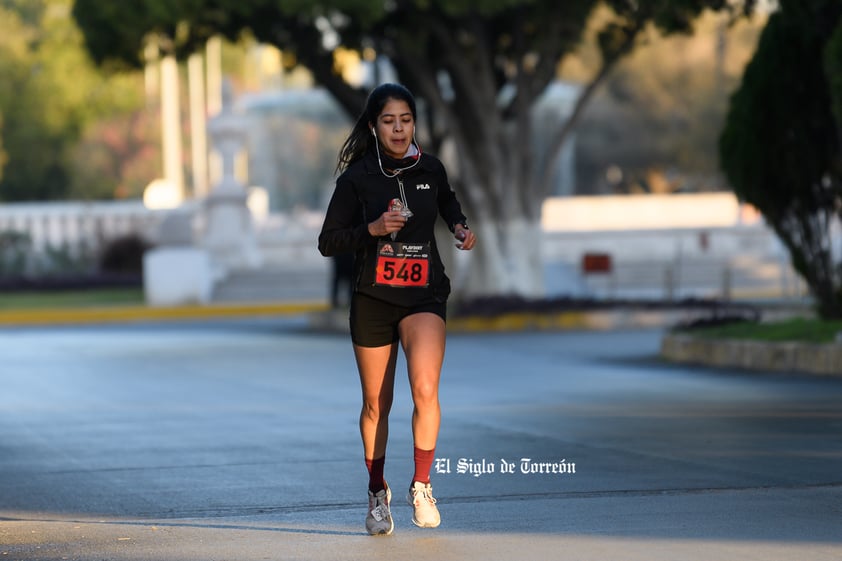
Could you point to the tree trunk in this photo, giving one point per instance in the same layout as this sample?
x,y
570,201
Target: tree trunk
x,y
507,259
807,236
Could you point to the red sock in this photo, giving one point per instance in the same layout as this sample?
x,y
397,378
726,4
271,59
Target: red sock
x,y
375,474
423,463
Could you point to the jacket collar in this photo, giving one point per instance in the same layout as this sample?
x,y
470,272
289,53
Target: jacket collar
x,y
372,167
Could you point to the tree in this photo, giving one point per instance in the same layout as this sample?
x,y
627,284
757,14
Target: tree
x,y
3,156
780,149
833,69
479,67
654,125
117,156
22,127
50,94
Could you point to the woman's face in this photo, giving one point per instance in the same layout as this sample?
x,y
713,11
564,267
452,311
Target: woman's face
x,y
395,128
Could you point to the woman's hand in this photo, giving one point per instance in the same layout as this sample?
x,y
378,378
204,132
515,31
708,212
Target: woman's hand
x,y
389,221
466,238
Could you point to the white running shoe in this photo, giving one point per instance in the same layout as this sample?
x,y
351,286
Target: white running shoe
x,y
378,520
421,497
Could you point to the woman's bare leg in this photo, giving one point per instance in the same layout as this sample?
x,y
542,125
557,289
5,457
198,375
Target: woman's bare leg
x,y
423,340
376,367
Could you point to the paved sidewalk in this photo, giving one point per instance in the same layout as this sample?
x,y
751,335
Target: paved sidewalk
x,y
237,439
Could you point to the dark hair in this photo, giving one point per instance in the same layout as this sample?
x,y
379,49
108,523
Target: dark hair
x,y
360,139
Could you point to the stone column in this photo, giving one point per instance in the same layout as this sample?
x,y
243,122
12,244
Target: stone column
x,y
228,232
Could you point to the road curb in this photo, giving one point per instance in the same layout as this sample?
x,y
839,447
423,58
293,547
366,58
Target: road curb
x,y
789,357
580,319
119,314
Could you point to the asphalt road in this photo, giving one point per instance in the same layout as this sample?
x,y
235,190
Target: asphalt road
x,y
238,440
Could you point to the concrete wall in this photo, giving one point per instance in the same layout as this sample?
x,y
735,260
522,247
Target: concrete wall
x,y
665,246
646,212
754,355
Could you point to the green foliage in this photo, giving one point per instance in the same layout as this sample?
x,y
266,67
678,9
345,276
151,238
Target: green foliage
x,y
14,247
62,299
777,139
3,156
780,148
833,69
124,255
115,32
123,26
15,103
117,156
669,16
18,260
49,96
795,329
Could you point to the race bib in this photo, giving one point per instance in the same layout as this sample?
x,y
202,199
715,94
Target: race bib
x,y
403,264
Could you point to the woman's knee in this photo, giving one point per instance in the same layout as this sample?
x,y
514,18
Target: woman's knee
x,y
425,393
376,409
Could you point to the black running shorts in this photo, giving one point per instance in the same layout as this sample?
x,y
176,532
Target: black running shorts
x,y
374,323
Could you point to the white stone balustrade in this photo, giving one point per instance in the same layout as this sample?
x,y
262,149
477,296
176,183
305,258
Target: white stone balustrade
x,y
78,226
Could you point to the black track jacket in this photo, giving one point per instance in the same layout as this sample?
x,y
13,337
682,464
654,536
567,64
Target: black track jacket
x,y
362,194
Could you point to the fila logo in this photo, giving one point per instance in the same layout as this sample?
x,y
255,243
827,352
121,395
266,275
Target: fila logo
x,y
422,186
